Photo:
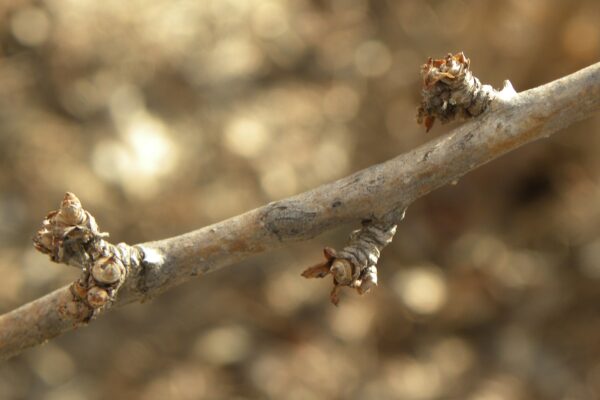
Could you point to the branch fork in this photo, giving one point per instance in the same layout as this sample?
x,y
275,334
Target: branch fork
x,y
450,91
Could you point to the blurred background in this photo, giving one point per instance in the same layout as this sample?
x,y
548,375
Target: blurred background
x,y
165,116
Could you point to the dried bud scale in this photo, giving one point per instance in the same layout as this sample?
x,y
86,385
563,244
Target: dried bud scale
x,y
76,310
79,289
368,281
355,265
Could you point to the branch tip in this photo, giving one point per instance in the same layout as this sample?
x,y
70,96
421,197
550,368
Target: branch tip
x,y
356,265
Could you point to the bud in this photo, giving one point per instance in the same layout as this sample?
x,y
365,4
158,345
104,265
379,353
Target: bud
x,y
97,297
108,270
71,212
341,269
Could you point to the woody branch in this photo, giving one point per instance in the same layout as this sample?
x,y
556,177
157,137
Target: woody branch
x,y
376,196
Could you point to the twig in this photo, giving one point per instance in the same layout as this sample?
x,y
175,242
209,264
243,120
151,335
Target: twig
x,y
450,92
375,193
356,265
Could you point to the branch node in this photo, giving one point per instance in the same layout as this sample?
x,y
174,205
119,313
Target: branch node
x,y
70,235
451,91
355,265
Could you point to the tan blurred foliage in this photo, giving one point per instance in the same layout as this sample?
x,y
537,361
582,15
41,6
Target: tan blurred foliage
x,y
165,116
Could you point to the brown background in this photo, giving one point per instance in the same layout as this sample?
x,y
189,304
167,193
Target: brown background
x,y
165,116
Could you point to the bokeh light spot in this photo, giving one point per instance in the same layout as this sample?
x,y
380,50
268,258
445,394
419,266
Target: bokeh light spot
x,y
422,289
30,26
372,59
246,137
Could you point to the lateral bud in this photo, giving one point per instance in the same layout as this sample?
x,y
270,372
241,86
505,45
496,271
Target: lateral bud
x,y
108,270
97,297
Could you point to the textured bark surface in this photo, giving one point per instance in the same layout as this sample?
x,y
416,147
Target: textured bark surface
x,y
379,192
